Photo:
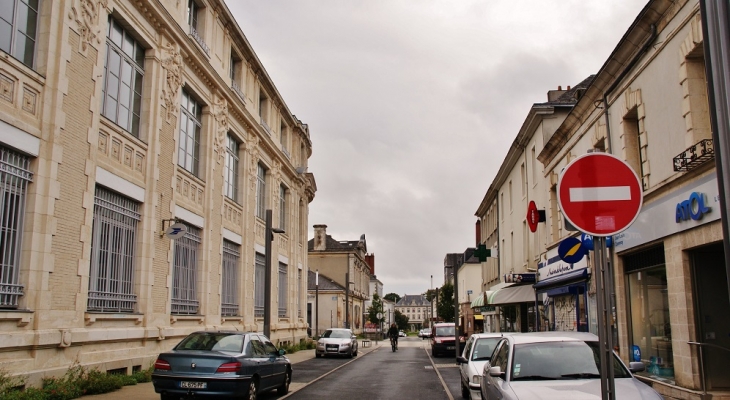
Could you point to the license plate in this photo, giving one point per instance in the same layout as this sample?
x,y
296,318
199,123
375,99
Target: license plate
x,y
192,385
449,347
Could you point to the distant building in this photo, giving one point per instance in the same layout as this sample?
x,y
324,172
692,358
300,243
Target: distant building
x,y
416,308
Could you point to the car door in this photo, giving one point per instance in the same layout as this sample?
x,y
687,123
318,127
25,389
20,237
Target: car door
x,y
263,363
278,362
493,384
464,368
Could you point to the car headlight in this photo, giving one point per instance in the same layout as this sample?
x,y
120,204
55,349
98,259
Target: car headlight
x,y
345,345
476,379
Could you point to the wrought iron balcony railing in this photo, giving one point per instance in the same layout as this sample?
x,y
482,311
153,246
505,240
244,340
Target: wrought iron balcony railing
x,y
696,155
200,40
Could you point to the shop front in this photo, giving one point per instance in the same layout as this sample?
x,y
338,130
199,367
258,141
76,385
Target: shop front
x,y
563,290
516,305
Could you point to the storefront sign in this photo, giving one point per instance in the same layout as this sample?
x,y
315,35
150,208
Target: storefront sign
x,y
554,266
658,219
693,208
519,278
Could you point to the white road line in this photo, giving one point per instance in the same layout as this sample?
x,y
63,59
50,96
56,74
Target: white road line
x,y
606,193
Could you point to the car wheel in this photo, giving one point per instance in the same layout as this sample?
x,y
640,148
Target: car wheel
x,y
317,355
433,353
284,388
253,387
350,354
464,391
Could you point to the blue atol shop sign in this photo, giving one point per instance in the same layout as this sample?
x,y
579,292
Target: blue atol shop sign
x,y
692,208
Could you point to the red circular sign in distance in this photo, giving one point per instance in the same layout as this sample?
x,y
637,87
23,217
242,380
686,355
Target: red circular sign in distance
x,y
600,194
533,217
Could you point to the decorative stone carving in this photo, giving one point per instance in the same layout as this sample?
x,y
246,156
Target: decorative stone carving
x,y
86,14
253,151
173,81
29,100
7,88
220,114
276,173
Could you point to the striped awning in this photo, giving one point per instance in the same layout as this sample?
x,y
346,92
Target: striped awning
x,y
480,301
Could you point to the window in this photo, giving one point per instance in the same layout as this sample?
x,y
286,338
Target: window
x,y
235,74
284,138
264,111
231,168
185,272
195,20
229,278
18,29
509,193
188,155
261,192
193,10
14,178
123,71
114,235
283,289
523,178
259,285
299,292
282,207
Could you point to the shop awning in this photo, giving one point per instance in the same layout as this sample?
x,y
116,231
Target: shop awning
x,y
479,300
564,279
478,316
512,294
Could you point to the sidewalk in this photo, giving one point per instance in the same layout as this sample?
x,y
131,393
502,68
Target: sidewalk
x,y
144,391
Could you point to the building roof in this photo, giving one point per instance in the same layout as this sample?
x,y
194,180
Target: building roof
x,y
325,283
338,245
412,300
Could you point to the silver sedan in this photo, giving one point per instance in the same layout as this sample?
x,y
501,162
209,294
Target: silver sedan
x,y
337,341
556,365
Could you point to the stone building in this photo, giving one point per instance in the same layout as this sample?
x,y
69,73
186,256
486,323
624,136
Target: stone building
x,y
416,308
339,261
119,121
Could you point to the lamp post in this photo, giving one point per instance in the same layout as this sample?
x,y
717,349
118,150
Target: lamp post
x,y
316,304
269,237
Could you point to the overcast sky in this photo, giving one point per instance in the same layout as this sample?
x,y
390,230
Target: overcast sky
x,y
412,105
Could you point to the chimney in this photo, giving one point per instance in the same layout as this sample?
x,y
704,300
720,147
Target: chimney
x,y
554,94
320,237
370,260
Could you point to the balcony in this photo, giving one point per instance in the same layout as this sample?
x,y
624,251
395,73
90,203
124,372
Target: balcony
x,y
266,126
9,295
696,155
238,91
200,41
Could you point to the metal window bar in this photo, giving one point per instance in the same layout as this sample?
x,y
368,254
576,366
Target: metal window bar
x,y
229,295
14,178
184,273
113,243
283,290
259,281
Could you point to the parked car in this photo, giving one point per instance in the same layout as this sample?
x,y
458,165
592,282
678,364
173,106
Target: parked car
x,y
337,342
401,334
424,333
221,364
477,352
556,365
443,339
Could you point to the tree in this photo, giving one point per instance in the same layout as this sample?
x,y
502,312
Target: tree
x,y
401,321
394,297
430,294
446,302
375,308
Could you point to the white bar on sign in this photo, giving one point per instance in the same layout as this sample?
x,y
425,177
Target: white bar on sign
x,y
607,193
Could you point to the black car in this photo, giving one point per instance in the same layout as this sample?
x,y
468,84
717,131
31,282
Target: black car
x,y
221,364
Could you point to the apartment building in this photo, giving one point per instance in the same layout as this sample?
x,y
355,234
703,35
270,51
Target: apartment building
x,y
141,145
415,307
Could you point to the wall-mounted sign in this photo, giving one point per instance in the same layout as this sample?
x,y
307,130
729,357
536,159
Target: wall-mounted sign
x,y
554,266
520,278
175,231
587,241
692,208
571,250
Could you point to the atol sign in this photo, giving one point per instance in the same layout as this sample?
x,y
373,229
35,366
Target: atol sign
x,y
693,208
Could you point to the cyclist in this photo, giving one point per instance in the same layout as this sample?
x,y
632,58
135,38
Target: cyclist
x,y
393,334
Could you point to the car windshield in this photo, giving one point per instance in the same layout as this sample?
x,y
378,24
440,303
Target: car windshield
x,y
483,348
212,341
445,331
337,334
560,360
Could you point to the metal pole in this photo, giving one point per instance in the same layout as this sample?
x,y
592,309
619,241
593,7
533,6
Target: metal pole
x,y
603,298
316,304
456,314
267,276
347,296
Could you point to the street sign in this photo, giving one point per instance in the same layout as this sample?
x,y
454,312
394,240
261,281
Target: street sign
x,y
587,241
175,231
571,250
599,194
533,217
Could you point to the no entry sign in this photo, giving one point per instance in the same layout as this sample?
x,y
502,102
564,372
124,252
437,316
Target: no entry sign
x,y
599,194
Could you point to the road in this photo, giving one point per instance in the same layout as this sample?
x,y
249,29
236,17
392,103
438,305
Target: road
x,y
377,373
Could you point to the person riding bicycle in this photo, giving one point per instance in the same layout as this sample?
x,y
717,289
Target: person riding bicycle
x,y
393,334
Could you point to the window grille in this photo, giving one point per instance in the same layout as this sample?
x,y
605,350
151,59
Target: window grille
x,y
261,192
283,290
259,280
114,235
185,272
188,155
229,297
14,178
123,71
232,168
18,26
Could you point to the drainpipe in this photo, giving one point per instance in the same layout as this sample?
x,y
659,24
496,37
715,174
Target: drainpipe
x,y
618,80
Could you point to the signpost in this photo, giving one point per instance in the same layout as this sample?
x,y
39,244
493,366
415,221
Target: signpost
x,y
601,195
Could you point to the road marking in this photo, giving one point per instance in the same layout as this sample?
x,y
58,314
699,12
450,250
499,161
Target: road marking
x,y
446,388
600,193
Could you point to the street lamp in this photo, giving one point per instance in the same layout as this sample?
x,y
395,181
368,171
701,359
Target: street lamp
x,y
316,304
268,237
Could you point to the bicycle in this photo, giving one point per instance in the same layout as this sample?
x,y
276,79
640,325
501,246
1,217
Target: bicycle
x,y
394,343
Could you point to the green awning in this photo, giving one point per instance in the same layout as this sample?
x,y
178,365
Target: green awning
x,y
479,301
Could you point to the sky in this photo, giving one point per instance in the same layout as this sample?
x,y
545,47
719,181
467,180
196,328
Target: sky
x,y
413,104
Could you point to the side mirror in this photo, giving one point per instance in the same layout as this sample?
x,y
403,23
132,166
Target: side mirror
x,y
636,366
282,352
461,360
495,371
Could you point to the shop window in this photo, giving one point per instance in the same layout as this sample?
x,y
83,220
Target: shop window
x,y
18,29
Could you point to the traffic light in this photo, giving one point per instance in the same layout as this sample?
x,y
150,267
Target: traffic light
x,y
482,252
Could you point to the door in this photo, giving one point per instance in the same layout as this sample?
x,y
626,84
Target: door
x,y
262,360
713,308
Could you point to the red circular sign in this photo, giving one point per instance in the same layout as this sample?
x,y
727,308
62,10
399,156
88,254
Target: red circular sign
x,y
533,217
600,194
